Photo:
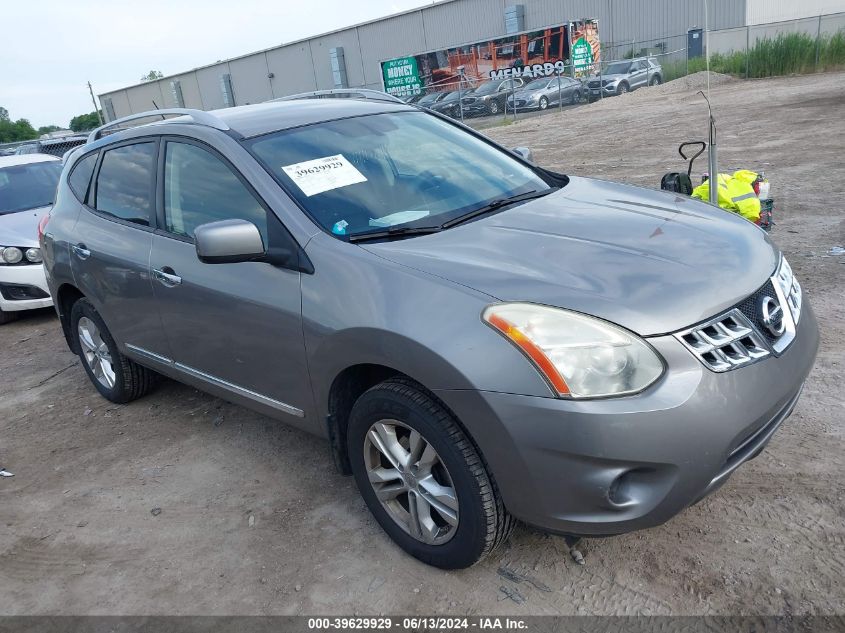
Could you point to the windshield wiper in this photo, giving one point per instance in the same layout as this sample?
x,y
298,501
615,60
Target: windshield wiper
x,y
394,231
498,203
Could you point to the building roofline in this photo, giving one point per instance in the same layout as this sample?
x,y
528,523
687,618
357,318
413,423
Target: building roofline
x,y
357,25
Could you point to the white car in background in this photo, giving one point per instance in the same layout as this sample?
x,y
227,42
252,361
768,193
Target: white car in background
x,y
27,191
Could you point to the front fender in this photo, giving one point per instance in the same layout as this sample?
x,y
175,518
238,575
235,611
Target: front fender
x,y
359,308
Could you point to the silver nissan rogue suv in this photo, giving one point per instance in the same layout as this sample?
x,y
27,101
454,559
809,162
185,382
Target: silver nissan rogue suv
x,y
479,339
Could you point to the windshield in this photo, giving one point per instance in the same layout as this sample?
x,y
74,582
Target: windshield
x,y
29,186
618,68
537,84
373,172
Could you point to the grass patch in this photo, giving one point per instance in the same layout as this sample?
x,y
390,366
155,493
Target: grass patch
x,y
786,54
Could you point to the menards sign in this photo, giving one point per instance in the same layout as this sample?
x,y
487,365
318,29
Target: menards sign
x,y
534,70
570,47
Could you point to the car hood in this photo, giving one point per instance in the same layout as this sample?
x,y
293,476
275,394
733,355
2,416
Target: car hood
x,y
616,77
651,261
21,228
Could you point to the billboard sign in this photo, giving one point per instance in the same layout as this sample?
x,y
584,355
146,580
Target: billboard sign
x,y
571,48
401,76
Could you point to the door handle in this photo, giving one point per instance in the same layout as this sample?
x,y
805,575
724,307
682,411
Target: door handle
x,y
81,251
167,276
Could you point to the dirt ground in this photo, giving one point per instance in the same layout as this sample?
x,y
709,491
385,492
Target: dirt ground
x,y
253,519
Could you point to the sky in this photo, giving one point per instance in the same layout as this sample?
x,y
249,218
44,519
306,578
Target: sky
x,y
50,50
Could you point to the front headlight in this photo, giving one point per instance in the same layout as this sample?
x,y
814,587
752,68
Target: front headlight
x,y
790,287
11,255
580,356
33,255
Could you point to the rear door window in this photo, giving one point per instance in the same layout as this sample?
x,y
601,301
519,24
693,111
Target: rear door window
x,y
125,183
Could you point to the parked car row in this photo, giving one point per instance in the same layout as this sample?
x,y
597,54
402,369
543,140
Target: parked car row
x,y
515,95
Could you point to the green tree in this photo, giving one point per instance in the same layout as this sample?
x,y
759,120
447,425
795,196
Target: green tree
x,y
152,75
46,129
19,130
84,122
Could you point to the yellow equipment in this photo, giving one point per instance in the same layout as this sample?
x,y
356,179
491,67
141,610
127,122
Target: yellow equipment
x,y
736,194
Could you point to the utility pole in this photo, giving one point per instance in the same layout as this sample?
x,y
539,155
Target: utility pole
x,y
94,101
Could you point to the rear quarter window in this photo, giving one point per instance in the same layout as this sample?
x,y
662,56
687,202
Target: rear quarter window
x,y
80,176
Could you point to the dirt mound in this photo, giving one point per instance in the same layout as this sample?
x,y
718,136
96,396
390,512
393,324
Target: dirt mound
x,y
695,81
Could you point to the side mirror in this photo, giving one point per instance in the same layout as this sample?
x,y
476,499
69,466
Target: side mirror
x,y
228,241
524,153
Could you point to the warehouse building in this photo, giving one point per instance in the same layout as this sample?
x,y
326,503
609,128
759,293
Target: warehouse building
x,y
354,56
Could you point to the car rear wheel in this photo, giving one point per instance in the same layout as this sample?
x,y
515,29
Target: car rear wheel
x,y
544,103
423,478
116,377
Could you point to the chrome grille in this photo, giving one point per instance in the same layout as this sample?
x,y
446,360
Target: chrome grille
x,y
726,342
746,333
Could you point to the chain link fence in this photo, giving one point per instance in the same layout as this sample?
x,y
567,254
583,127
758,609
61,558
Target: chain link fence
x,y
53,146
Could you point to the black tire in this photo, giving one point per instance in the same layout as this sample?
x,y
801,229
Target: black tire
x,y
543,104
131,379
655,81
7,317
483,523
576,97
494,107
623,88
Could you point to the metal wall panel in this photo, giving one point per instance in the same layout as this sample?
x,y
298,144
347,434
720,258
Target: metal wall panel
x,y
120,103
463,22
141,97
249,79
292,68
763,11
320,47
540,13
208,80
393,37
190,91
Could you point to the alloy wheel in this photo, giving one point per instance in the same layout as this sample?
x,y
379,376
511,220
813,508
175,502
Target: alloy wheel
x,y
411,481
544,103
96,352
494,107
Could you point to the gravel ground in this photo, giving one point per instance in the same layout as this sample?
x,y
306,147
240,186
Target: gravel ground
x,y
251,519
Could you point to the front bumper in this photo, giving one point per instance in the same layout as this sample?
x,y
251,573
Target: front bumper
x,y
606,91
609,466
18,283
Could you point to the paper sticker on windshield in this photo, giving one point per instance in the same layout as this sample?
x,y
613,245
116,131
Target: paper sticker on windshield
x,y
323,174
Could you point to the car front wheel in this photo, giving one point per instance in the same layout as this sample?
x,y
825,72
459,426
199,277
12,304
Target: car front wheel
x,y
655,81
422,477
544,103
622,89
116,377
493,107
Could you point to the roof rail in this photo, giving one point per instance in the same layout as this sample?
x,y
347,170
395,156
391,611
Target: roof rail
x,y
200,117
349,93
